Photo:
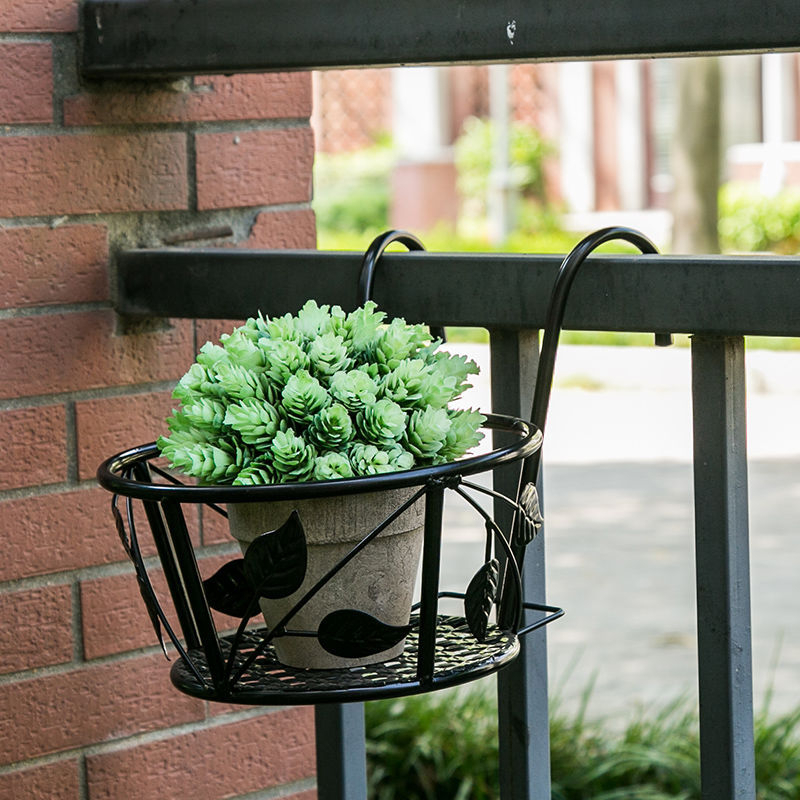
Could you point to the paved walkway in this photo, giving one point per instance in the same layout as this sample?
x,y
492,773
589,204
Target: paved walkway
x,y
620,525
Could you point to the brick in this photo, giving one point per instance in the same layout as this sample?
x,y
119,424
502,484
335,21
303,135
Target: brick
x,y
108,425
57,532
56,781
284,230
41,265
251,168
35,628
34,447
79,351
114,616
46,16
210,330
215,528
26,82
90,174
211,98
224,761
89,705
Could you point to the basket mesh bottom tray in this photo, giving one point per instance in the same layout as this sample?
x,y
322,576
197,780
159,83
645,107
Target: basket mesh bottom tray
x,y
459,658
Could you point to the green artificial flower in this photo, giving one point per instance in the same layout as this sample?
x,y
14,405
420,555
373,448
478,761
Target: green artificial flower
x,y
203,412
427,430
256,421
457,367
399,458
292,458
436,390
331,466
243,351
397,341
331,428
320,394
283,358
363,326
212,354
339,324
404,383
197,383
257,473
463,434
283,328
354,389
382,423
313,320
328,355
241,382
303,396
369,460
208,462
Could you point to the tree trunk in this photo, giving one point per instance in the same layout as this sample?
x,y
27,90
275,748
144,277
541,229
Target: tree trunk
x,y
696,157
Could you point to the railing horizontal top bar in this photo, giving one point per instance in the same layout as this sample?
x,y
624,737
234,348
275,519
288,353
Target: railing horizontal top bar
x,y
176,37
722,295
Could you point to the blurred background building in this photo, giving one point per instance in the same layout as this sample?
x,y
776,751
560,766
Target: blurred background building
x,y
605,133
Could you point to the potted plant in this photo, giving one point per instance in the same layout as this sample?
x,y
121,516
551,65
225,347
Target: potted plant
x,y
317,396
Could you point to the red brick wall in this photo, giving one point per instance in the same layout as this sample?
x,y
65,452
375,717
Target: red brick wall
x,y
86,707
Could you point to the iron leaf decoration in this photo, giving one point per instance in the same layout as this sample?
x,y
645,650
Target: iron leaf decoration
x,y
228,590
532,518
354,634
151,604
275,562
479,598
120,526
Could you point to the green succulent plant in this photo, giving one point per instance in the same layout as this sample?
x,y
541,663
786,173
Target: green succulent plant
x,y
319,395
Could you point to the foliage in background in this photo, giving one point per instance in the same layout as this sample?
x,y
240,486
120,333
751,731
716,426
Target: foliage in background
x,y
351,190
443,746
473,158
752,221
352,207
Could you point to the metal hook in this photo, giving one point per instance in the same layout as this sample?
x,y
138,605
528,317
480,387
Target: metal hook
x,y
370,261
544,374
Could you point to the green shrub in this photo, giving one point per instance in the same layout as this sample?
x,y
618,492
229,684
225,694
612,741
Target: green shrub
x,y
351,190
473,157
443,746
752,221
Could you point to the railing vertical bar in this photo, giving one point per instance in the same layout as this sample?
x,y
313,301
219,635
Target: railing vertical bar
x,y
727,760
522,686
431,561
341,752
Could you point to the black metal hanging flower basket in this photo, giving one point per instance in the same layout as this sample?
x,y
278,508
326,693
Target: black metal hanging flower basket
x,y
431,650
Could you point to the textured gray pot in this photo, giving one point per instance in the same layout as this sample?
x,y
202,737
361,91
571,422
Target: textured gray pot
x,y
379,580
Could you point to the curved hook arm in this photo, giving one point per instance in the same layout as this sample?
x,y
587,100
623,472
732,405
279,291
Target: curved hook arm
x,y
370,261
544,374
558,301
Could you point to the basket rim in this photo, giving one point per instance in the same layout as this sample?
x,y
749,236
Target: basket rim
x,y
114,473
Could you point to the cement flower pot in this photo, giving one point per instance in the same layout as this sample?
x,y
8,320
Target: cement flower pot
x,y
379,580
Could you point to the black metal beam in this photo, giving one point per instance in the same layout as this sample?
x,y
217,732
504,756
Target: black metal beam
x,y
699,294
176,37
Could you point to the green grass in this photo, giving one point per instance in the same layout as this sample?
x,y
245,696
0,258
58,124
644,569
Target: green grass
x,y
443,746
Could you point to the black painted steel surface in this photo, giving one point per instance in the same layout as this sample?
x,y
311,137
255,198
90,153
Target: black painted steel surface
x,y
177,37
